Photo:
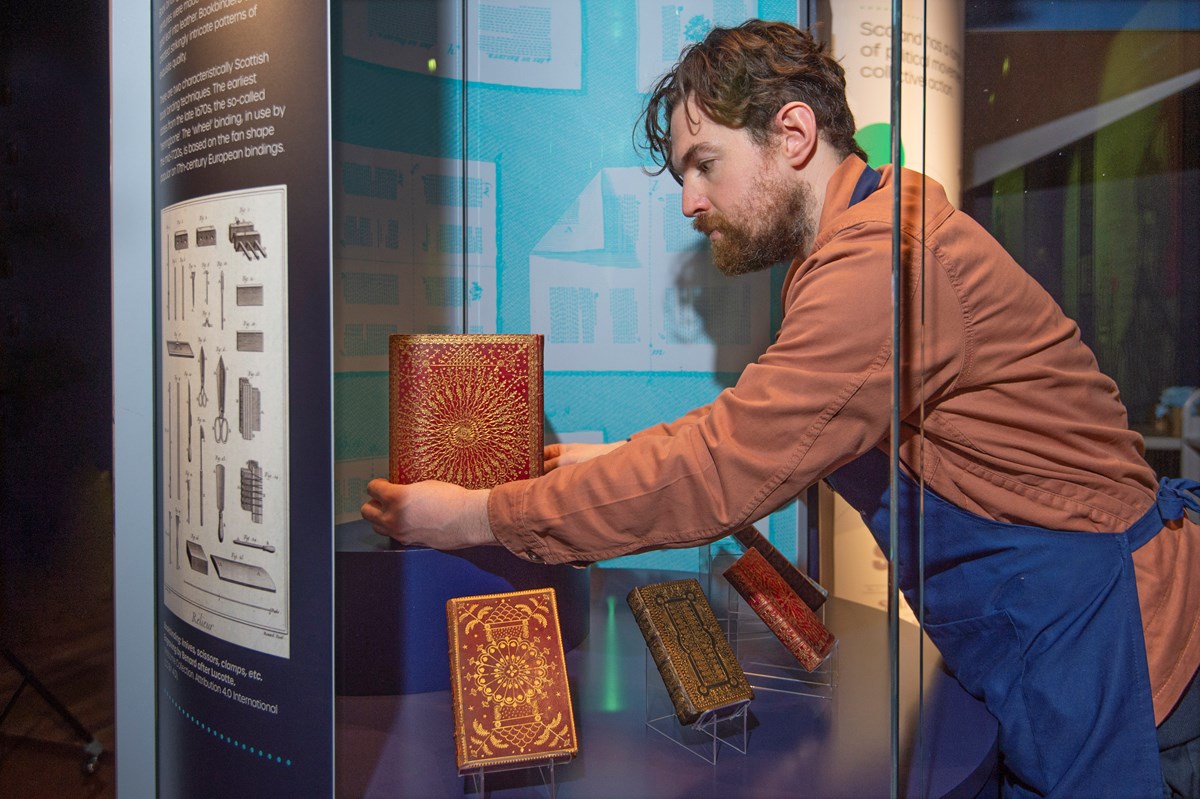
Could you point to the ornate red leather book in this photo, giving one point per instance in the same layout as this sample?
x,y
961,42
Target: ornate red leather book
x,y
785,614
697,665
466,409
508,680
808,589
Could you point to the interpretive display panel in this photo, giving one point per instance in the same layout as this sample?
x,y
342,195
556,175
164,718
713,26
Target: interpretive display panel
x,y
242,287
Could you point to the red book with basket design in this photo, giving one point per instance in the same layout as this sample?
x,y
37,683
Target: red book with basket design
x,y
508,680
465,409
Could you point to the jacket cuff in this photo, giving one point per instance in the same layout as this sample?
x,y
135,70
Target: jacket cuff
x,y
506,516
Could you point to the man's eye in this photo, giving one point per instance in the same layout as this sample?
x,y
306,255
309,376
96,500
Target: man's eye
x,y
704,167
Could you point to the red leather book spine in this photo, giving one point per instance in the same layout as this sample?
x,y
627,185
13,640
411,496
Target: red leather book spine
x,y
784,613
808,589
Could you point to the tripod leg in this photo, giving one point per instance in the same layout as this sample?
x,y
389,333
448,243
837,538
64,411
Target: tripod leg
x,y
92,748
12,700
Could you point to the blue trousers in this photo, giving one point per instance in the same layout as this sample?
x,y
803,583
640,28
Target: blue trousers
x,y
1179,746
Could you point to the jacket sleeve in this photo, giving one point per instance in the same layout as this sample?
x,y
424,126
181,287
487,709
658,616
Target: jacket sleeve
x,y
672,428
817,398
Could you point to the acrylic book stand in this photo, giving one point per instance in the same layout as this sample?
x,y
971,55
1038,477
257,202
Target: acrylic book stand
x,y
478,776
769,666
703,737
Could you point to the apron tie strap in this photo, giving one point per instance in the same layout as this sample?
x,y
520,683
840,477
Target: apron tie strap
x,y
1176,496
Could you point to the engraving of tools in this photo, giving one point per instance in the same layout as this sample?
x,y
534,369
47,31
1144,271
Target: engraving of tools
x,y
188,482
178,448
249,575
189,418
176,540
206,287
254,544
202,396
221,283
170,451
219,474
179,293
196,557
221,424
252,491
167,532
249,409
201,476
193,289
246,240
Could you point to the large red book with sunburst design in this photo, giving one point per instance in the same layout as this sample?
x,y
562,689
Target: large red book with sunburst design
x,y
465,409
777,604
508,680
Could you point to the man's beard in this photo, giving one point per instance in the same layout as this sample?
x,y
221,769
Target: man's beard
x,y
777,228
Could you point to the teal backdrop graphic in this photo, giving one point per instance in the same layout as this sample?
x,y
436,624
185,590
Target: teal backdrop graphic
x,y
566,234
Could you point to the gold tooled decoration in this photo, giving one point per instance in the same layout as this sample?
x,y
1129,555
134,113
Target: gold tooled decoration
x,y
465,409
507,663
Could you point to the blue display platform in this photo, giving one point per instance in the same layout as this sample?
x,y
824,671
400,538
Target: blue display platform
x,y
391,607
797,747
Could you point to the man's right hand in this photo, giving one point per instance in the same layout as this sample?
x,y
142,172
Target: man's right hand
x,y
430,513
556,455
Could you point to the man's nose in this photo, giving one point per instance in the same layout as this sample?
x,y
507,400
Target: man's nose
x,y
694,201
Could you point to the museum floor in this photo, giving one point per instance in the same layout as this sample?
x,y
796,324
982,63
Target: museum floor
x,y
57,619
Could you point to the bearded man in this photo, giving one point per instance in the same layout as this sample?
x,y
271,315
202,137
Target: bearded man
x,y
1056,566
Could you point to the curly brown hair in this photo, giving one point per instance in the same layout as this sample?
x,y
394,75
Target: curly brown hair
x,y
741,76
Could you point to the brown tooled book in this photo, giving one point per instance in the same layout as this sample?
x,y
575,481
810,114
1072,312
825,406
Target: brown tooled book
x,y
508,680
785,614
465,409
688,647
808,589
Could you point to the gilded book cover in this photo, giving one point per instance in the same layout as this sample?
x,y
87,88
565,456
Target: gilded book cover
x,y
508,680
688,647
808,589
792,621
466,409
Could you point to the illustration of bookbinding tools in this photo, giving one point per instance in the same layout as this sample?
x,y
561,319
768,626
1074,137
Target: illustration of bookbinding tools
x,y
227,566
221,424
246,240
202,395
219,479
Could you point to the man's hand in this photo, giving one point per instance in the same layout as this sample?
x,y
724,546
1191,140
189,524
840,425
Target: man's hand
x,y
555,455
432,513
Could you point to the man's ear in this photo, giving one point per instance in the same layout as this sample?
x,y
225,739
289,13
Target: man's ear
x,y
798,125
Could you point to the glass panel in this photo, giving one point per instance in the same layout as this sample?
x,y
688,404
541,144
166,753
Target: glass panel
x,y
400,242
1079,158
882,49
1090,185
551,226
591,251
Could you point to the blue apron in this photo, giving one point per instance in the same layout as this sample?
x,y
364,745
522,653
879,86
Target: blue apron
x,y
1043,626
